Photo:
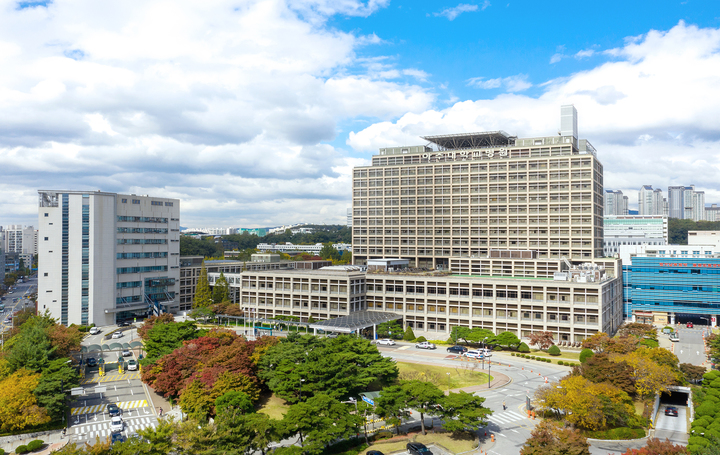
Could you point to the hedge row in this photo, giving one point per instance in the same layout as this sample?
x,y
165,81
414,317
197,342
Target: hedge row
x,y
543,359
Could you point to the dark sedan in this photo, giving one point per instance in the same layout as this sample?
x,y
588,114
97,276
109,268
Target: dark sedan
x,y
457,349
415,448
91,362
671,411
113,410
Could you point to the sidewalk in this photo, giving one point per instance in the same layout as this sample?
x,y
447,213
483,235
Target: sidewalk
x,y
53,441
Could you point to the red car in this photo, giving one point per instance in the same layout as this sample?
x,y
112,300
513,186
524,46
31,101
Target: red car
x,y
689,325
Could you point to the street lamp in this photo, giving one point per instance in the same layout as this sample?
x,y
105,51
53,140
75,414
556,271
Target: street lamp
x,y
448,375
300,390
489,380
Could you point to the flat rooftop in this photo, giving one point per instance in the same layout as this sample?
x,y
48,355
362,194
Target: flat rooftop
x,y
471,140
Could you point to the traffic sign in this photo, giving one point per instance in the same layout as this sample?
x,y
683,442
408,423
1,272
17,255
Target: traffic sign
x,y
368,401
77,391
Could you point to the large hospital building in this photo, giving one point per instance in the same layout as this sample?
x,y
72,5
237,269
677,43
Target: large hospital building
x,y
478,230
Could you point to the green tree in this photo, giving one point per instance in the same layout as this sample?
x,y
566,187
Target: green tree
x,y
463,411
586,354
554,350
30,348
234,402
263,431
164,338
56,380
328,252
392,405
409,334
390,329
423,397
341,367
196,401
203,297
549,439
319,421
202,314
479,335
221,290
508,339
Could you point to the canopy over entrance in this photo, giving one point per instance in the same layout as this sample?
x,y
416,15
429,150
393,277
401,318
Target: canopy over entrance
x,y
355,321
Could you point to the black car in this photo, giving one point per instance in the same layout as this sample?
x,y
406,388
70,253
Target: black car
x,y
91,362
457,349
123,324
671,411
415,448
113,410
374,452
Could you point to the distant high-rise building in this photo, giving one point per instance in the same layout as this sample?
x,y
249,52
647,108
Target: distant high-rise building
x,y
676,201
21,240
645,200
659,203
688,198
698,208
615,203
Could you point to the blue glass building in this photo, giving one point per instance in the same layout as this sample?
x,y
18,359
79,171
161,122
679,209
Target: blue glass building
x,y
679,289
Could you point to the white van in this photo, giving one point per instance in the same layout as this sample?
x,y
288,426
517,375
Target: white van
x,y
487,352
94,330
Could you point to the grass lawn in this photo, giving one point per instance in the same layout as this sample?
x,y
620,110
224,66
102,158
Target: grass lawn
x,y
563,355
463,375
461,444
273,406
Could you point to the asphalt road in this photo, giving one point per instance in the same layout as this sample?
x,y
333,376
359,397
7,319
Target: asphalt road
x,y
511,426
690,348
89,418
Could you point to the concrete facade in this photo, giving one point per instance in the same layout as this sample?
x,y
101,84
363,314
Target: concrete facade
x,y
105,257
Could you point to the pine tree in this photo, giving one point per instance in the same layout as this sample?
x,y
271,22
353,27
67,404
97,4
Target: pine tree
x,y
203,298
221,290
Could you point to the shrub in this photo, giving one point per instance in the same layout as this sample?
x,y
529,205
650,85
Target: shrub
x,y
421,339
497,348
35,445
383,434
554,350
512,354
21,449
409,335
586,354
560,362
2,451
523,348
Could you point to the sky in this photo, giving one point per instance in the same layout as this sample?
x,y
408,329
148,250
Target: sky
x,y
253,113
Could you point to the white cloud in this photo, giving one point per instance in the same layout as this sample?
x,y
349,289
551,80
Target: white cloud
x,y
516,83
228,100
452,13
651,112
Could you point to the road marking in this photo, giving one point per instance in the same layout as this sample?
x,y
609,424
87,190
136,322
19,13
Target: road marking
x,y
101,407
402,348
111,378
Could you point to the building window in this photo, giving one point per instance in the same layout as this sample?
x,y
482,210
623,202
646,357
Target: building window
x,y
124,200
156,203
46,214
46,238
136,201
168,204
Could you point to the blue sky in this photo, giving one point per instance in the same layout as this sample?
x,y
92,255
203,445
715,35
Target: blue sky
x,y
253,112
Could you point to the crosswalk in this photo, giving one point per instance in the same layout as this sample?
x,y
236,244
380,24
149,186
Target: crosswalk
x,y
125,405
111,378
90,431
506,417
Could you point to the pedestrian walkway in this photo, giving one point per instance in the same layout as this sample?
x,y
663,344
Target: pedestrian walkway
x,y
101,407
111,378
92,430
506,417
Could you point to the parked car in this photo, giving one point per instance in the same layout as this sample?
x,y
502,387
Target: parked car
x,y
386,342
689,325
132,365
474,354
374,452
94,330
671,411
123,324
416,448
487,352
332,335
117,335
425,345
674,337
116,424
126,353
113,410
91,362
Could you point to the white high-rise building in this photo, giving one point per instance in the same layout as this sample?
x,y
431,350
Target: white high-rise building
x,y
650,201
615,203
106,257
698,209
21,240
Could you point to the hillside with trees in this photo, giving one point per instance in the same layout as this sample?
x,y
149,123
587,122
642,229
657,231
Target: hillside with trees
x,y
678,229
